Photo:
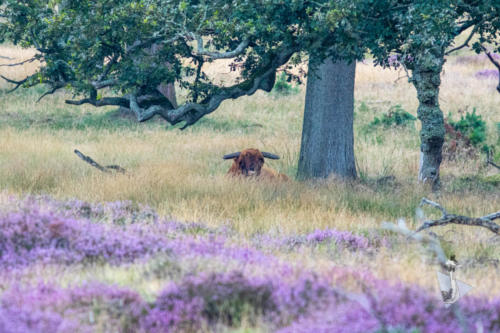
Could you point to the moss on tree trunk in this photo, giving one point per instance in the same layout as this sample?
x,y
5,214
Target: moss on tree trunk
x,y
426,79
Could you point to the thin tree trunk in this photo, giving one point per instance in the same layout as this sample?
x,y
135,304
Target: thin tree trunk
x,y
426,79
327,135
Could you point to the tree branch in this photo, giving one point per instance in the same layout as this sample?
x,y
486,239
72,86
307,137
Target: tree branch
x,y
493,61
103,84
466,43
467,24
146,107
484,221
17,83
105,101
90,161
55,87
218,55
22,62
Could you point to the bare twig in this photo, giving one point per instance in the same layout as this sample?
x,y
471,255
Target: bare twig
x,y
6,58
21,62
489,161
466,43
90,161
51,91
484,221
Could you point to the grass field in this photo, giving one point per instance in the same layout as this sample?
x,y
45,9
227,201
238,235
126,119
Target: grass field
x,y
181,174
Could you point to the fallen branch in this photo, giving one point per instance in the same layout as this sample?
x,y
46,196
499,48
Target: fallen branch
x,y
106,169
484,221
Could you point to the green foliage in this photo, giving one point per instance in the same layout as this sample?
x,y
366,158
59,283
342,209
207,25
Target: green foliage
x,y
108,51
472,126
282,87
396,116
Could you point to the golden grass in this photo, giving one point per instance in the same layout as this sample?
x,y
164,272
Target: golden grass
x,y
182,175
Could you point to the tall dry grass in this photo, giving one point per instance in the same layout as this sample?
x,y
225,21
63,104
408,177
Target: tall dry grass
x,y
182,174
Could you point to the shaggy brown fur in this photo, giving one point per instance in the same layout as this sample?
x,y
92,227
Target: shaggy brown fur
x,y
250,163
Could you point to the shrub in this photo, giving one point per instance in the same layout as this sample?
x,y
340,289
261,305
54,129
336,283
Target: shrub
x,y
396,116
282,87
472,126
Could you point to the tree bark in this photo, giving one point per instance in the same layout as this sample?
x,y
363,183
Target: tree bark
x,y
426,79
327,135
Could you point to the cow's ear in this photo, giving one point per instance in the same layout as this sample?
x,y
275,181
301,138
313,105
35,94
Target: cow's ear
x,y
232,155
269,155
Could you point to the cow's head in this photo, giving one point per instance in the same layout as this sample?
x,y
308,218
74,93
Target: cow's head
x,y
250,161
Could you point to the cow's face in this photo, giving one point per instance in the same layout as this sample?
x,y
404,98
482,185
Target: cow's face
x,y
250,162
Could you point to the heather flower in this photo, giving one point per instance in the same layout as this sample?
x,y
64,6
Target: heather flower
x,y
487,74
36,236
215,298
89,308
340,238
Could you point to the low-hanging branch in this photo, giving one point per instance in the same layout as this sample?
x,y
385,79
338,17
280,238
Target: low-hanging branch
x,y
191,112
17,83
484,221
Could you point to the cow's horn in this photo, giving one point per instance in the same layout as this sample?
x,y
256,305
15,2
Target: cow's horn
x,y
232,155
269,155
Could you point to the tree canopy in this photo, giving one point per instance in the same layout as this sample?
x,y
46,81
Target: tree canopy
x,y
117,52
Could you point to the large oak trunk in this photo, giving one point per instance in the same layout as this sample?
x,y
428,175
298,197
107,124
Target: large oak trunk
x,y
327,135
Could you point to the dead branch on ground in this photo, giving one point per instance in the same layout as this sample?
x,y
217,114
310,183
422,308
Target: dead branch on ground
x,y
107,168
483,221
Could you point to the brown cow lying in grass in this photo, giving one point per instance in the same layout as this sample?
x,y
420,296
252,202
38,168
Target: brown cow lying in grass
x,y
249,162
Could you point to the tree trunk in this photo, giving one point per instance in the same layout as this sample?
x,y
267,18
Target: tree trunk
x,y
327,134
168,90
426,79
